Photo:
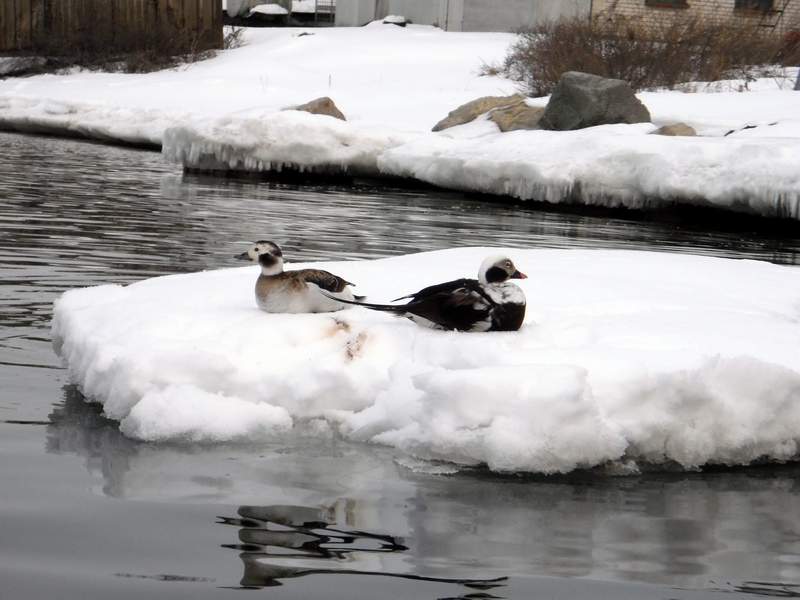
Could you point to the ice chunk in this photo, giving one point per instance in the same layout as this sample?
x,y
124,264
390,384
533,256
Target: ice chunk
x,y
625,357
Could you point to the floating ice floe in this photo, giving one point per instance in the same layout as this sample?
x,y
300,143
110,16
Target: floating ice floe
x,y
625,356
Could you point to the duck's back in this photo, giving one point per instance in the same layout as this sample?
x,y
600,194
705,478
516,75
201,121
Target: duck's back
x,y
299,292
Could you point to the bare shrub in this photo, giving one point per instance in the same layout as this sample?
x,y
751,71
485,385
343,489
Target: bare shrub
x,y
234,38
99,48
490,69
647,56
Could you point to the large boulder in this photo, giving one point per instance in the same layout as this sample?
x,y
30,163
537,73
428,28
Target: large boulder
x,y
583,100
472,110
517,116
321,106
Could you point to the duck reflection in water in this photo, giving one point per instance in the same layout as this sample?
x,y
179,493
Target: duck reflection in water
x,y
283,542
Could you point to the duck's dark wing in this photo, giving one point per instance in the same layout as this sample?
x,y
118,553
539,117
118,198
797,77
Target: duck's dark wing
x,y
456,305
441,288
326,281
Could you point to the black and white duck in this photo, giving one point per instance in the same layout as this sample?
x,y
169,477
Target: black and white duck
x,y
490,303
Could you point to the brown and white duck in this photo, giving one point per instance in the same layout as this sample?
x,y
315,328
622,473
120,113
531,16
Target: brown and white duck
x,y
299,291
490,303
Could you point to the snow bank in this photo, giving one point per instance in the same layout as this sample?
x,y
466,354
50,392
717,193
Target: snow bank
x,y
272,142
109,123
612,165
625,356
393,84
751,170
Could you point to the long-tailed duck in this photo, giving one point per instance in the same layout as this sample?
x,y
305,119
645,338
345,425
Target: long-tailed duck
x,y
300,291
490,303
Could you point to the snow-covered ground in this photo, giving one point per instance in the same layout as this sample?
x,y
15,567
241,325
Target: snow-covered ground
x,y
398,79
393,84
625,357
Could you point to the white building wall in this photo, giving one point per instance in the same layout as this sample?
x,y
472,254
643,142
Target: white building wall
x,y
354,13
462,15
452,18
511,15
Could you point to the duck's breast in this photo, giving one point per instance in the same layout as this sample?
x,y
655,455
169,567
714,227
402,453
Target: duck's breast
x,y
281,295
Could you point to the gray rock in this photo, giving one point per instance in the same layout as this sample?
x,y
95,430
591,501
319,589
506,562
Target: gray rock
x,y
517,116
676,129
321,106
472,110
583,100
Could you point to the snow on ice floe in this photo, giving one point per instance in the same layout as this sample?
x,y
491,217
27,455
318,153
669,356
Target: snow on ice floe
x,y
624,356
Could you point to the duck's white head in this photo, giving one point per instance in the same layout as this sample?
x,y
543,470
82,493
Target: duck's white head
x,y
497,269
267,254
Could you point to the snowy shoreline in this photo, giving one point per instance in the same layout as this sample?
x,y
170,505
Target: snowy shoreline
x,y
393,84
625,358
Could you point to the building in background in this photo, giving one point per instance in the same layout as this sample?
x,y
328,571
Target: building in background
x,y
780,16
462,15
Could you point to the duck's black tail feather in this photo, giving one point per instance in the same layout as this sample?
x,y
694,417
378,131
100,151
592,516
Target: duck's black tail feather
x,y
381,307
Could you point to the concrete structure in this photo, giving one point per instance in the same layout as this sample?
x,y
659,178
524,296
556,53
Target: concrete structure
x,y
462,15
780,16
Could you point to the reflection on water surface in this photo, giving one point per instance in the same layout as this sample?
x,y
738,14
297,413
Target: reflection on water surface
x,y
361,511
283,542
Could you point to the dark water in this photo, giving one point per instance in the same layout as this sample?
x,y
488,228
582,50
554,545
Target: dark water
x,y
87,513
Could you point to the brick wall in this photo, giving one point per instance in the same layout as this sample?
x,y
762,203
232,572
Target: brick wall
x,y
658,10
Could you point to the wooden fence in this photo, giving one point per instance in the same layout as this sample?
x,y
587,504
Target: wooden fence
x,y
23,23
